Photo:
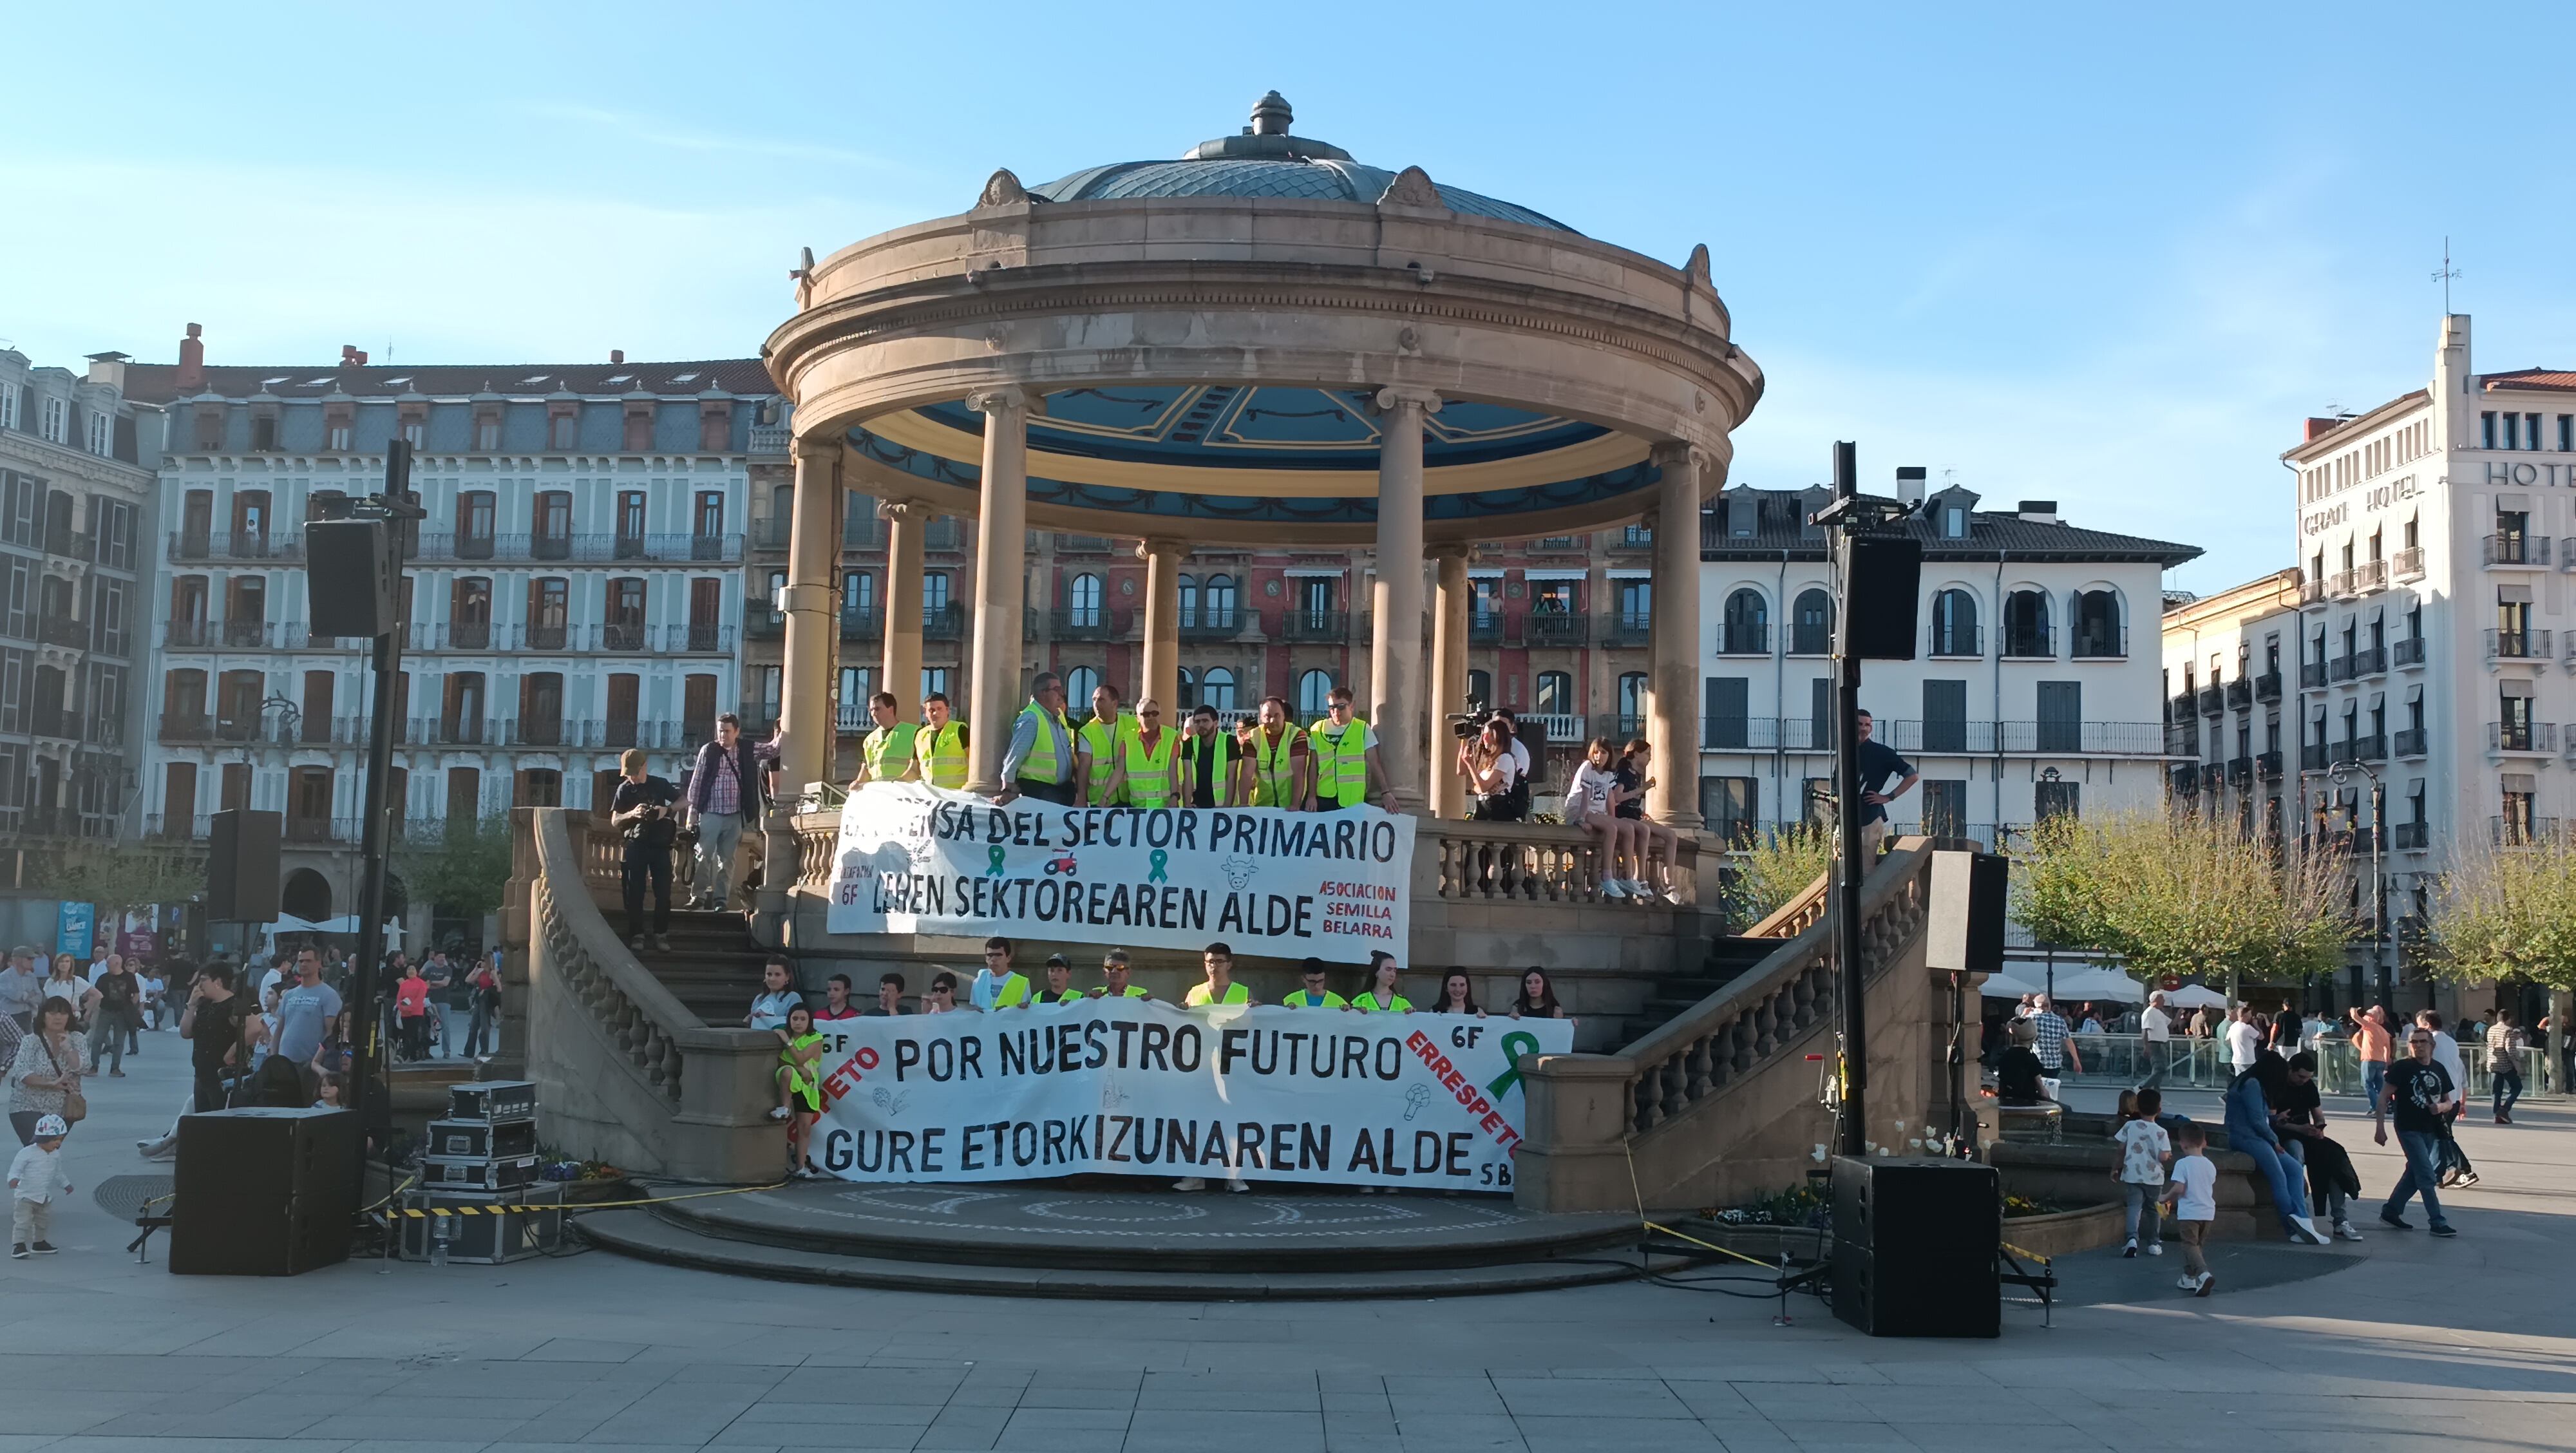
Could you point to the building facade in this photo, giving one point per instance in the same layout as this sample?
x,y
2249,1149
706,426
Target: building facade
x,y
577,587
76,488
2034,689
2232,719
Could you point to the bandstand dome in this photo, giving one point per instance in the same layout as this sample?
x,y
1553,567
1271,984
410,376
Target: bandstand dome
x,y
1203,344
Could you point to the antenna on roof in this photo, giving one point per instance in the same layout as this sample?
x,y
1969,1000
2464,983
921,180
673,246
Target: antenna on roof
x,y
2445,274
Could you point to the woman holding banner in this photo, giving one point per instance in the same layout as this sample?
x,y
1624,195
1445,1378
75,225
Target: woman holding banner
x,y
1380,997
1457,994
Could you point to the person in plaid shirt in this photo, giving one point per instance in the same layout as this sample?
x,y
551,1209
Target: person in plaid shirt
x,y
2054,1049
725,796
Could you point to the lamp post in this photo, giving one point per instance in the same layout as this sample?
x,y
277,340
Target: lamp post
x,y
2341,774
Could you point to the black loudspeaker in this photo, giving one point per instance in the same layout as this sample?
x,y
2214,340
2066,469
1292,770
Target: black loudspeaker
x,y
1914,1247
1886,589
1963,930
350,576
241,866
263,1192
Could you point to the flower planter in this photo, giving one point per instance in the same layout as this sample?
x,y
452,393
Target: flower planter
x,y
2058,1232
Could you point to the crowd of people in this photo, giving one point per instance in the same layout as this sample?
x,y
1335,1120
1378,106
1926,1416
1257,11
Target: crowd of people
x,y
999,987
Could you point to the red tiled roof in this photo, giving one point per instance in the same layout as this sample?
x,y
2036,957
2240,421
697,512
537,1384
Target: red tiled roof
x,y
2548,378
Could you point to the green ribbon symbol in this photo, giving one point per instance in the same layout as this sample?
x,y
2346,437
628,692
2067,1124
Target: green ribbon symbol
x,y
993,862
1515,1044
1159,874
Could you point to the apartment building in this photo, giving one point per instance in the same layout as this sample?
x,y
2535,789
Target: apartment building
x,y
2232,722
2035,688
577,587
75,497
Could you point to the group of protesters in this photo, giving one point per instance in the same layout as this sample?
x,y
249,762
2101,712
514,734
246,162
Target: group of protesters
x,y
1000,988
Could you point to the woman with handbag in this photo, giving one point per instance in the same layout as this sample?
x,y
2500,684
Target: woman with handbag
x,y
45,1077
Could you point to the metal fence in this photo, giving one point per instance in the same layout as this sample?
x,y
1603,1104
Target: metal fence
x,y
2201,1064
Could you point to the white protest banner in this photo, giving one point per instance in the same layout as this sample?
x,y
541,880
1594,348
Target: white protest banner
x,y
1137,1087
918,859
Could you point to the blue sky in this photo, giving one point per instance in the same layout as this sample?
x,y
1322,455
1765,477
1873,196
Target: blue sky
x,y
2048,253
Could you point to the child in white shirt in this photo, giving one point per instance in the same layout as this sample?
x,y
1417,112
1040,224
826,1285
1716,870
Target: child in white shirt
x,y
34,1179
2144,1149
2193,1190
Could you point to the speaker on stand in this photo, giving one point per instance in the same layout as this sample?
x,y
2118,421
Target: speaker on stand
x,y
1915,1242
241,866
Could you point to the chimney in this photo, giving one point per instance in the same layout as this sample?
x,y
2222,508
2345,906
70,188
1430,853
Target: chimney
x,y
2319,428
2039,511
192,361
617,355
350,357
1909,483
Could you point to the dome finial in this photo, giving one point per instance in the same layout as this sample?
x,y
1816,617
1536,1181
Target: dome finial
x,y
1270,115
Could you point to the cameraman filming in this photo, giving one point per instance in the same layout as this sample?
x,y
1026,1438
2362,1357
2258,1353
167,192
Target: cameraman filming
x,y
642,807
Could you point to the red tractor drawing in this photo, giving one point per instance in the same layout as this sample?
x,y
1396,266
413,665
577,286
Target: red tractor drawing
x,y
1062,865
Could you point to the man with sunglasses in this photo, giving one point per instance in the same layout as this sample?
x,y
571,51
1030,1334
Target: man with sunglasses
x,y
1346,758
1043,760
2420,1094
1140,772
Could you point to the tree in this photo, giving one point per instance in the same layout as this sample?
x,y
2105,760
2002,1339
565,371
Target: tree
x,y
2510,913
117,876
2181,894
464,867
1777,867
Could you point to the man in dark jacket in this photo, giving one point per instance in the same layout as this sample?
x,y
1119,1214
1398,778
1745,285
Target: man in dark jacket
x,y
726,795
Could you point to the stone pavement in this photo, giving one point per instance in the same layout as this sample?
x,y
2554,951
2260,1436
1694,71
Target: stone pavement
x,y
2398,1343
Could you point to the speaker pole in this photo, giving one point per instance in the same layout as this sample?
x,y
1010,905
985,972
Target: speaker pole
x,y
376,838
1850,866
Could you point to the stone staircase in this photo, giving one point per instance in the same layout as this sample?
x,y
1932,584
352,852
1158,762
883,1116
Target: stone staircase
x,y
712,965
1729,957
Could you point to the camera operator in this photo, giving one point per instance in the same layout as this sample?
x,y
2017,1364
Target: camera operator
x,y
1492,771
642,806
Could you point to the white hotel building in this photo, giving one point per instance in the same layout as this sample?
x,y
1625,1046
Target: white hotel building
x,y
576,589
2434,611
2034,689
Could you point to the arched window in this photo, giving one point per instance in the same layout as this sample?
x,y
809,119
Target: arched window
x,y
1555,693
1480,687
2096,619
1632,704
1189,601
1312,689
1217,603
1082,600
1954,624
1079,683
1187,689
1216,689
1813,634
2026,630
1747,626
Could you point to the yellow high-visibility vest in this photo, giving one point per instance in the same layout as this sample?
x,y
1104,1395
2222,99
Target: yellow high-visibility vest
x,y
1274,773
945,760
1102,740
1301,1000
1220,770
1149,771
1234,994
888,750
1041,765
1341,760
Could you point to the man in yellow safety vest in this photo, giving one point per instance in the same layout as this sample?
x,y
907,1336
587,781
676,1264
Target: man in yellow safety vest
x,y
1142,772
1315,995
887,754
1042,760
1203,767
942,745
1102,735
1345,756
997,984
1220,988
1275,758
1113,967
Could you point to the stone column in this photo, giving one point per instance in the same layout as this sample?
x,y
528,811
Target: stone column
x,y
813,637
901,611
1161,678
1395,638
1672,720
1001,582
1448,676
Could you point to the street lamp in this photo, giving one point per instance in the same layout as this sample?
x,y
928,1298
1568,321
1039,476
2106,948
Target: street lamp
x,y
2048,947
2341,774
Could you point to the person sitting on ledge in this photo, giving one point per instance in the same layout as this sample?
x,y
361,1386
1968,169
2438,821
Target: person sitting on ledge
x,y
2017,1077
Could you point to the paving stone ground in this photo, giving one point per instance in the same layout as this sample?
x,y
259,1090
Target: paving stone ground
x,y
2400,1343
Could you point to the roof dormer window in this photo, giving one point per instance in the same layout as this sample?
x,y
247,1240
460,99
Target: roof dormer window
x,y
1954,523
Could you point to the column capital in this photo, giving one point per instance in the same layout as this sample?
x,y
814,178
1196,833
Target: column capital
x,y
1404,393
1458,550
1154,545
814,449
903,511
998,400
1680,453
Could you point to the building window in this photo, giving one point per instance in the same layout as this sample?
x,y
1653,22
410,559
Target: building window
x,y
1954,623
1082,600
1480,687
711,513
1079,683
1732,807
1747,630
1216,689
475,516
53,417
630,523
487,433
1945,807
1312,690
2487,431
1217,602
934,593
1636,606
858,595
102,433
934,681
2051,800
1189,601
1632,704
566,429
2566,433
1555,693
857,685
2098,631
2026,631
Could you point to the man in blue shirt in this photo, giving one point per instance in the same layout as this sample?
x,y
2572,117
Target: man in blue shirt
x,y
1878,762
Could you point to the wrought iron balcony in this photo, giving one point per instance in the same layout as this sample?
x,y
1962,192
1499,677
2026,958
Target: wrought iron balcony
x,y
2213,700
944,623
2267,765
2522,736
1087,623
2409,652
2312,675
1555,628
1485,627
194,547
2240,694
2406,837
1300,624
1740,639
2370,661
1212,623
2267,687
2517,645
2410,741
2517,549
